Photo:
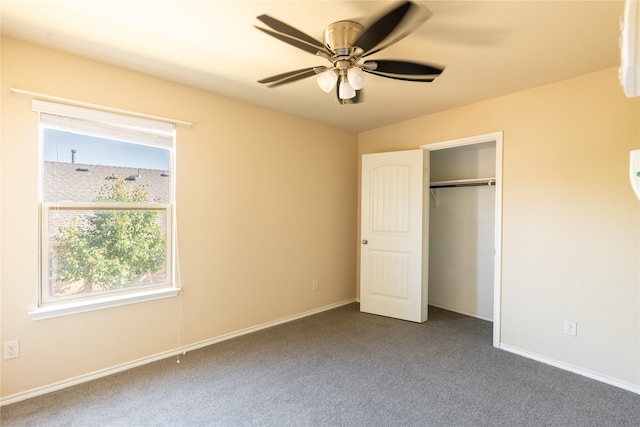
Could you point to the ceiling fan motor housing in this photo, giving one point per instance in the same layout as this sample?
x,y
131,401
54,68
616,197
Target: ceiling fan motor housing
x,y
339,38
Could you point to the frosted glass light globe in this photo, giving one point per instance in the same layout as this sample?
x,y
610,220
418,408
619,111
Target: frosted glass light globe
x,y
345,91
327,80
357,78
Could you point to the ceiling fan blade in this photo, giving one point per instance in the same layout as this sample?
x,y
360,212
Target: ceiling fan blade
x,y
289,30
382,27
391,66
314,50
399,77
284,75
420,15
292,76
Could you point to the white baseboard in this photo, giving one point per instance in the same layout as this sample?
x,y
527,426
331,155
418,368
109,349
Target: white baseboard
x,y
635,388
145,360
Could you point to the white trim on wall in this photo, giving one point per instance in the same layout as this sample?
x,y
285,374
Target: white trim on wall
x,y
39,391
572,368
43,96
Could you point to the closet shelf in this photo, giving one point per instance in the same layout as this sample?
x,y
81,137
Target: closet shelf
x,y
475,182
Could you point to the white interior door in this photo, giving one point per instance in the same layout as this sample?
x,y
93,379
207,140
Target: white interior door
x,y
393,271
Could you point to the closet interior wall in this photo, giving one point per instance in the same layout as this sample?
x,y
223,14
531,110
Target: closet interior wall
x,y
461,231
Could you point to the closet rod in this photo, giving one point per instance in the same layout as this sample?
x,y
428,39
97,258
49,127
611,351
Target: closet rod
x,y
97,106
475,184
462,183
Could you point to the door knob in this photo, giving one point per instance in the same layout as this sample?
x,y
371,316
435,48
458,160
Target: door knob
x,y
364,242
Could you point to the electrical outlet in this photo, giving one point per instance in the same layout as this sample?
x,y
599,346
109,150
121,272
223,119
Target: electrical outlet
x,y
315,285
570,328
11,349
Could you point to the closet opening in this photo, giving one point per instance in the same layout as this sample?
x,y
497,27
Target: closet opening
x,y
462,207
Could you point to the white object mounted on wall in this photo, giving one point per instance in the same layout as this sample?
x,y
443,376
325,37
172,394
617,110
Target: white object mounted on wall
x,y
630,49
634,171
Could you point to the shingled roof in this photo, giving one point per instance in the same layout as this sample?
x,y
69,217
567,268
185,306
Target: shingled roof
x,y
80,182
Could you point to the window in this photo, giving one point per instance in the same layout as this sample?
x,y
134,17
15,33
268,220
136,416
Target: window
x,y
107,209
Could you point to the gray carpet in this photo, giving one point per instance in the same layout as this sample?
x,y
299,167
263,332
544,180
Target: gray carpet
x,y
341,368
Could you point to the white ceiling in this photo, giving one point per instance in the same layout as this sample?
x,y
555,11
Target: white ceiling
x,y
489,48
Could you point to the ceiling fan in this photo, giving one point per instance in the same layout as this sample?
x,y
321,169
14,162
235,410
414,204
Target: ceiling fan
x,y
346,43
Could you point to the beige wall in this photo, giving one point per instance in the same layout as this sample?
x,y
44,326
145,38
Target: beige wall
x,y
571,223
266,204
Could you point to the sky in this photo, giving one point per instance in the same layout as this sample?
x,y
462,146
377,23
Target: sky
x,y
57,146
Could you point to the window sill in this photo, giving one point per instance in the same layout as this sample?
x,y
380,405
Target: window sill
x,y
75,307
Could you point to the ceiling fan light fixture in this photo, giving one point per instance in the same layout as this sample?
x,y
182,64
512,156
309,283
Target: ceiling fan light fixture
x,y
346,43
357,78
345,90
327,80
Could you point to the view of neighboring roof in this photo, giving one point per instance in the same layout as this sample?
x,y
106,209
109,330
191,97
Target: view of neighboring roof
x,y
80,182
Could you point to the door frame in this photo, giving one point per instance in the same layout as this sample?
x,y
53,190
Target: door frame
x,y
497,267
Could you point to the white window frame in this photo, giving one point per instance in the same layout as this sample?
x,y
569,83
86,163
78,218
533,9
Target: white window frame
x,y
118,127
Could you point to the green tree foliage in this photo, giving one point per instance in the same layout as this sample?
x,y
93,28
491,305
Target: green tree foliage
x,y
111,248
